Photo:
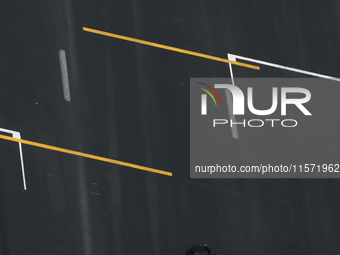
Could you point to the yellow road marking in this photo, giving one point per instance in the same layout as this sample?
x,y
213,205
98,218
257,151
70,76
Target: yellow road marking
x,y
94,183
96,193
165,47
85,155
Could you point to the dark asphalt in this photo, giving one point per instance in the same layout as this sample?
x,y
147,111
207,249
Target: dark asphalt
x,y
128,104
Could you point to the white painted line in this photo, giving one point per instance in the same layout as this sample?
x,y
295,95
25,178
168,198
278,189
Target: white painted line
x,y
64,75
234,57
16,134
231,57
234,130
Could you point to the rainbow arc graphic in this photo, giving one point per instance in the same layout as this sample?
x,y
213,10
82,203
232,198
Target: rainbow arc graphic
x,y
204,97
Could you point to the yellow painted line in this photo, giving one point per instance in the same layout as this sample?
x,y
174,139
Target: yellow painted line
x,y
95,193
165,47
85,155
94,183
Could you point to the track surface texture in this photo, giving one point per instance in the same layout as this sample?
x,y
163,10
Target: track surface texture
x,y
130,102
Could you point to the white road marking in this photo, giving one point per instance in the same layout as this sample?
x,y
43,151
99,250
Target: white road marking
x,y
64,75
16,134
233,57
234,131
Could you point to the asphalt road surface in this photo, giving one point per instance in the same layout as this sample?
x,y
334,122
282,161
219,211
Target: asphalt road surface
x,y
130,102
